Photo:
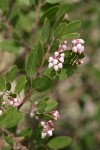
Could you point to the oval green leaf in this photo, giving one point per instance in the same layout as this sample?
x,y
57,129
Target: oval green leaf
x,y
59,142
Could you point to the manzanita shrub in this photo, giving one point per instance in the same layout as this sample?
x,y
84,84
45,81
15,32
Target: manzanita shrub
x,y
54,56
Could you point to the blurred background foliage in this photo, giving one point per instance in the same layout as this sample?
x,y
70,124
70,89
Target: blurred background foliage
x,y
78,96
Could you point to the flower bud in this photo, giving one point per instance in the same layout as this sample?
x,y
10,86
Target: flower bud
x,y
31,114
81,41
56,54
65,41
50,59
74,41
15,100
79,46
56,67
55,61
64,47
43,135
61,59
62,55
3,102
60,65
50,132
50,65
74,49
11,103
42,123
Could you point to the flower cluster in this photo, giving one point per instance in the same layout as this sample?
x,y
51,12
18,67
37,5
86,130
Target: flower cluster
x,y
78,45
55,114
58,59
14,101
48,126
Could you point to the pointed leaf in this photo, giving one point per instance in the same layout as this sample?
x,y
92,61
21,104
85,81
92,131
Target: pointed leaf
x,y
58,21
60,30
71,36
20,84
12,74
40,53
50,13
73,26
51,105
31,62
45,30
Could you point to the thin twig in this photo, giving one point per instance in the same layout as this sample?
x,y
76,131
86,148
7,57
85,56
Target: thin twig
x,y
25,98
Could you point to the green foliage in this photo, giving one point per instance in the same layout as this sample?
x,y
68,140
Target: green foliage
x,y
58,21
59,142
31,62
73,26
10,118
35,23
41,106
60,30
21,81
42,83
51,105
40,53
50,13
45,30
2,84
12,74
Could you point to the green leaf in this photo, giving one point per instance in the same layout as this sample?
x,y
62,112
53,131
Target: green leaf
x,y
2,84
10,118
73,26
58,21
26,133
12,74
59,142
31,61
80,56
71,36
8,86
42,83
45,30
51,105
63,74
20,84
71,69
40,53
9,45
50,13
53,1
45,116
60,30
41,106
